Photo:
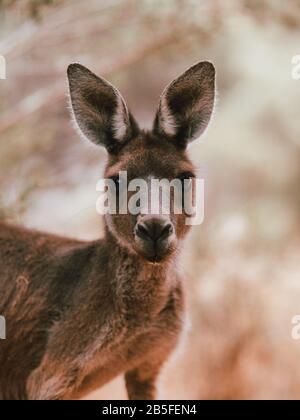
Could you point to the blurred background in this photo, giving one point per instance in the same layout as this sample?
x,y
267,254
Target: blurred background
x,y
243,263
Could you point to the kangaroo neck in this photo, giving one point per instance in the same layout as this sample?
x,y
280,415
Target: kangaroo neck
x,y
140,287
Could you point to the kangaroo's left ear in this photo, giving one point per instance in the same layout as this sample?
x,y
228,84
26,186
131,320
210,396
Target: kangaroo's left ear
x,y
99,109
186,104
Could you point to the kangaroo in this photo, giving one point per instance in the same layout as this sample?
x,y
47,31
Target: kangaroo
x,y
80,313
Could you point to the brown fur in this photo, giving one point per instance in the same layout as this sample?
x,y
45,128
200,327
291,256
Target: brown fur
x,y
78,313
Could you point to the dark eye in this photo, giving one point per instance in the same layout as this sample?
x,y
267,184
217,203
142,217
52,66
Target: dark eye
x,y
186,178
116,181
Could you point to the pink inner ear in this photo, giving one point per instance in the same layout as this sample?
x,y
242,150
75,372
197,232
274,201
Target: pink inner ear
x,y
120,120
99,110
166,118
187,103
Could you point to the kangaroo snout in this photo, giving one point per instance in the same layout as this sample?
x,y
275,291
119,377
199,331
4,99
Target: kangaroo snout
x,y
153,236
154,229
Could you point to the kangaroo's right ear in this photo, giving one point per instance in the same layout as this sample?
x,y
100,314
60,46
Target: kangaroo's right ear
x,y
186,105
99,109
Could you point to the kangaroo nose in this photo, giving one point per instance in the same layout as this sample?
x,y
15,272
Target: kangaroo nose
x,y
154,229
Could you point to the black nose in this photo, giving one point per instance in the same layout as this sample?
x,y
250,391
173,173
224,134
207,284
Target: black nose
x,y
154,230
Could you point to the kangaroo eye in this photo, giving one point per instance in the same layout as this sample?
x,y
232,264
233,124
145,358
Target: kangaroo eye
x,y
187,176
186,179
117,182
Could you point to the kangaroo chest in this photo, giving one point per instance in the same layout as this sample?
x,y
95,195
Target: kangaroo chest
x,y
126,340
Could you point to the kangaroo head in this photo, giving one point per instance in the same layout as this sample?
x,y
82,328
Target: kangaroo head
x,y
183,114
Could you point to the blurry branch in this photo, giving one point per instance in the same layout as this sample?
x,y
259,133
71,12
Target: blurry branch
x,y
32,7
48,96
31,104
286,13
11,212
18,38
21,41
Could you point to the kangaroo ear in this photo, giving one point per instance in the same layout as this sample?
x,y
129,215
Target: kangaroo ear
x,y
99,109
186,104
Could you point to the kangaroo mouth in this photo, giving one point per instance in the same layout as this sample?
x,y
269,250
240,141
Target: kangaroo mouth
x,y
155,256
156,259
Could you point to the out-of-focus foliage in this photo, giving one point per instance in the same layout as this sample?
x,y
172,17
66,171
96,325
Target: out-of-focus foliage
x,y
242,264
32,7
